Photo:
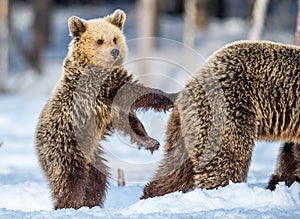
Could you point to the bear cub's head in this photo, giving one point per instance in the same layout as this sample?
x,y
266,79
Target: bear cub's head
x,y
98,41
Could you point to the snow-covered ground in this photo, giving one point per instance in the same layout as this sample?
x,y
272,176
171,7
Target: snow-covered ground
x,y
25,193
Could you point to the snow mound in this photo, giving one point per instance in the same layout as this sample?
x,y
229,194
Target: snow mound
x,y
230,197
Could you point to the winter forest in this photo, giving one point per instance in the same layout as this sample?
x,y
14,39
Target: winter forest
x,y
168,42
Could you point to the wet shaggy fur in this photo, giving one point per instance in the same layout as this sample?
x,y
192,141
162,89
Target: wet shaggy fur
x,y
93,97
246,91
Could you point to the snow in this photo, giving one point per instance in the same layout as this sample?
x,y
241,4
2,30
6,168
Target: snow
x,y
25,193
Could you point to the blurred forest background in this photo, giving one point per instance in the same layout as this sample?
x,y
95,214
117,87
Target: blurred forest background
x,y
32,32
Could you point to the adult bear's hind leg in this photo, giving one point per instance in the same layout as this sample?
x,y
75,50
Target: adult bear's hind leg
x,y
217,162
288,167
175,172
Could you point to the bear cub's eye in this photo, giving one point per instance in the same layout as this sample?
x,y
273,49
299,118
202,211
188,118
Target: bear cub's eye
x,y
100,42
115,40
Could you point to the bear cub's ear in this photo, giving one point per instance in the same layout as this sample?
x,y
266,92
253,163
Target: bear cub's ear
x,y
77,26
117,18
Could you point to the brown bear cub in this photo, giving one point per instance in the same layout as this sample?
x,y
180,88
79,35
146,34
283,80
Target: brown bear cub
x,y
245,91
94,96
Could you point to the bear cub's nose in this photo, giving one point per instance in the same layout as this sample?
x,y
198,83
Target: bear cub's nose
x,y
115,53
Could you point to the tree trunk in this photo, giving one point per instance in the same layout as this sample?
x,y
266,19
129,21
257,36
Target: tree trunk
x,y
146,27
201,13
190,22
297,34
258,19
41,31
40,35
3,44
121,180
189,32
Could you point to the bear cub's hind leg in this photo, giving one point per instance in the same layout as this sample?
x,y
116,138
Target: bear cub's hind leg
x,y
95,192
69,188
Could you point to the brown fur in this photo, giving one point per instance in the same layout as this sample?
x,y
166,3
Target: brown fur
x,y
94,97
288,169
246,91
